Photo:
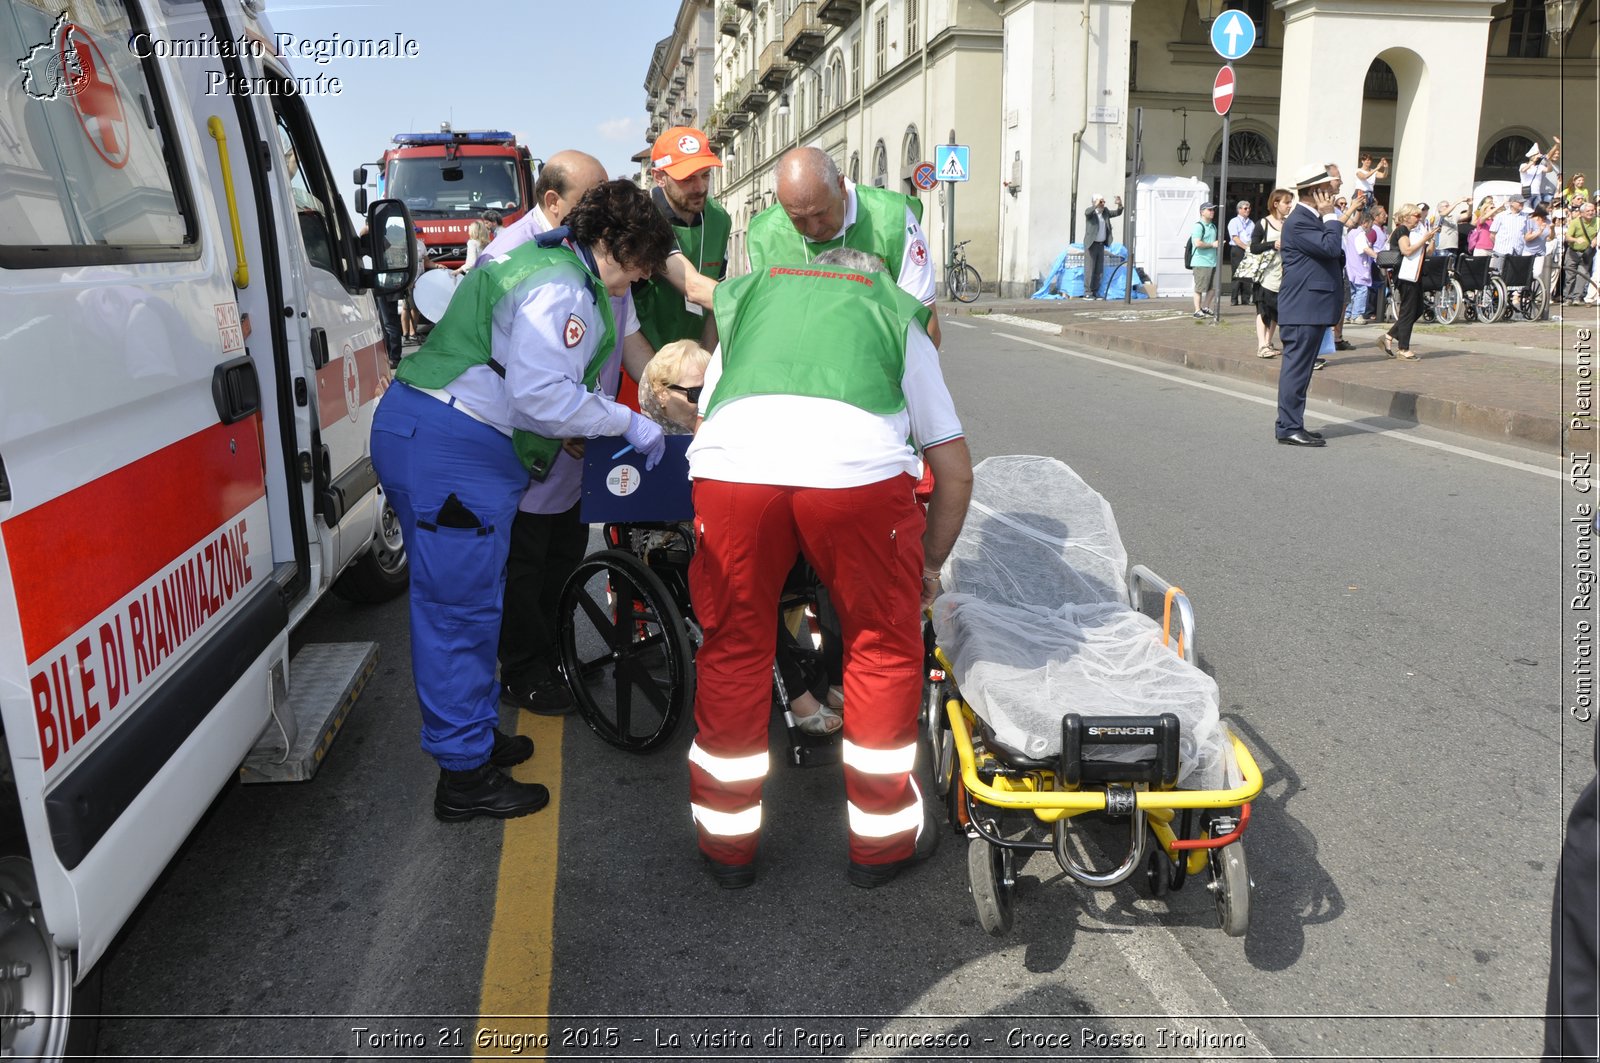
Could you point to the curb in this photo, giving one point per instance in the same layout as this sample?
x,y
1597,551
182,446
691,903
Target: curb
x,y
1543,432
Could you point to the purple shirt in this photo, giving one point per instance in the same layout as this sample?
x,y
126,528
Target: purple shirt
x,y
1357,264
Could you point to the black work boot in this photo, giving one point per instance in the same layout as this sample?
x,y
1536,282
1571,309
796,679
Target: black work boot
x,y
509,749
485,791
871,876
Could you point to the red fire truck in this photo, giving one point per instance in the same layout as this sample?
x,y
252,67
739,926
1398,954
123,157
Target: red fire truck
x,y
450,178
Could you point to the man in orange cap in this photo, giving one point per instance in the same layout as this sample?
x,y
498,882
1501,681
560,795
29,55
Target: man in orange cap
x,y
682,161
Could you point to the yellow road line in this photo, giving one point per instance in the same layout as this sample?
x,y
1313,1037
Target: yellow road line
x,y
517,969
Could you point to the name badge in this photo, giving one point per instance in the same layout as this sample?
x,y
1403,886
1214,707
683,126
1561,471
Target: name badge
x,y
693,307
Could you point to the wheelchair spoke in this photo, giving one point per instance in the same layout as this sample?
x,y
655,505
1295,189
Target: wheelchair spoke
x,y
598,615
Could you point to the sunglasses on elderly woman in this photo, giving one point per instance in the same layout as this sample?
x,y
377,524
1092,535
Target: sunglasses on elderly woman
x,y
692,394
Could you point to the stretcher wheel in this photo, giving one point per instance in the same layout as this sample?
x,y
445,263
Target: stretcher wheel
x,y
625,651
993,880
1157,872
1230,883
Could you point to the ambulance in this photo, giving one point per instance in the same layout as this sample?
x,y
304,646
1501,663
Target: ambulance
x,y
190,357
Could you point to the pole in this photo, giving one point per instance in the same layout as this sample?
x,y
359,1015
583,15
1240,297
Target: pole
x,y
1130,204
949,220
1222,195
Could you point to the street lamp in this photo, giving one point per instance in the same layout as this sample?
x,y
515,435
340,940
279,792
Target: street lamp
x,y
783,105
1210,9
1559,16
1183,144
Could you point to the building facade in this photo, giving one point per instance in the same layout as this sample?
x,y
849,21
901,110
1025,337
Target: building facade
x,y
1046,94
679,86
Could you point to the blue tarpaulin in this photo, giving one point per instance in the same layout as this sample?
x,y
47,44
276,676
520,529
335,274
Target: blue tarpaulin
x,y
1065,277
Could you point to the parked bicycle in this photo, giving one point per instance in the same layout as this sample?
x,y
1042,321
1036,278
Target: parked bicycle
x,y
960,279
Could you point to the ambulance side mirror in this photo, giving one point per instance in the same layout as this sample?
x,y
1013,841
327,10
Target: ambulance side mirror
x,y
393,247
361,189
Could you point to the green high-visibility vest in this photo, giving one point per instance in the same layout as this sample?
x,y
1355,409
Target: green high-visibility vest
x,y
817,331
663,315
879,229
462,338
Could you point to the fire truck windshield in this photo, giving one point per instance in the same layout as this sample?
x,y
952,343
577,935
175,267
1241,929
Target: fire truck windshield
x,y
454,188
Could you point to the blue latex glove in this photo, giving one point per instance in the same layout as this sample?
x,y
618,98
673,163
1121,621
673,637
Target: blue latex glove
x,y
647,438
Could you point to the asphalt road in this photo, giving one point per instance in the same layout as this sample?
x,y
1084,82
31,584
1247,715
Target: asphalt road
x,y
1383,619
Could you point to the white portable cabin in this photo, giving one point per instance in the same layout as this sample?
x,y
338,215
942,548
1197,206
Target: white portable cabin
x,y
1167,209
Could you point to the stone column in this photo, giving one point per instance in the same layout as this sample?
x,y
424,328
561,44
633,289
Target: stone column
x,y
1435,48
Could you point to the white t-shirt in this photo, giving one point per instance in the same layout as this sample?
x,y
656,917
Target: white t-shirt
x,y
916,275
800,441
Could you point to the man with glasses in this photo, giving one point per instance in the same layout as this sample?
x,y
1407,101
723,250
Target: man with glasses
x,y
1241,233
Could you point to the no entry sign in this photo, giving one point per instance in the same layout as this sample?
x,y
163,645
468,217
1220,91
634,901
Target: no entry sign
x,y
1222,90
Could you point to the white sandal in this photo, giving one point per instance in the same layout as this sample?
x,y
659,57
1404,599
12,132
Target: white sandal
x,y
825,721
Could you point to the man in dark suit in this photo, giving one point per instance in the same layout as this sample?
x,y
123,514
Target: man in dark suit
x,y
1309,300
1096,234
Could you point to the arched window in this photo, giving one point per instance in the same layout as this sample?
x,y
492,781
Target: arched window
x,y
855,166
1503,161
1246,148
880,166
913,147
833,91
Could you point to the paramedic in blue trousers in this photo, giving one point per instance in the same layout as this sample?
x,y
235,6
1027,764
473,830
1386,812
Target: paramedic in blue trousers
x,y
507,374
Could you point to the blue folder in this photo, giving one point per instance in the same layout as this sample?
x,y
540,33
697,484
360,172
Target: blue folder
x,y
618,489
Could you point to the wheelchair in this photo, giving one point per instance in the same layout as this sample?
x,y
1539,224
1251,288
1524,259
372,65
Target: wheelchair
x,y
1525,294
1442,295
628,637
1055,695
1483,293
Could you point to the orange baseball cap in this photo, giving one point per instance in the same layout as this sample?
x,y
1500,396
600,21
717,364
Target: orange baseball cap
x,y
682,151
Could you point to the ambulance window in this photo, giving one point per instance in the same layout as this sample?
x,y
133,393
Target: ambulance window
x,y
323,226
91,167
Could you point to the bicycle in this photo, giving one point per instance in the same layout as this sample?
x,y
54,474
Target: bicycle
x,y
960,279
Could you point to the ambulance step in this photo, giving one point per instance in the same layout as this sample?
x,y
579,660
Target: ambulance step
x,y
325,680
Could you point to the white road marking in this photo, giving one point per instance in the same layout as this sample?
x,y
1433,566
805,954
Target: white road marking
x,y
957,324
1389,433
1027,323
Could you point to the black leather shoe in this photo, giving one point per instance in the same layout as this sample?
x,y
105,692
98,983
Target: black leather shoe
x,y
731,876
547,698
871,876
509,749
1313,435
1301,438
485,791
1343,345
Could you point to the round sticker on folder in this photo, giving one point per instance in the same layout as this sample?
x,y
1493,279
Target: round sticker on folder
x,y
624,480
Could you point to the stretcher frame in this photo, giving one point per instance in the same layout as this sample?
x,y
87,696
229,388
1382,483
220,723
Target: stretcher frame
x,y
1193,829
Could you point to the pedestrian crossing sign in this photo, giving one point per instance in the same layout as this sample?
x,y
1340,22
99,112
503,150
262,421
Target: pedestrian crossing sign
x,y
950,160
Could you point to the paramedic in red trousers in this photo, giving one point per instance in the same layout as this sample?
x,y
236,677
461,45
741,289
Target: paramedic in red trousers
x,y
819,209
831,352
506,375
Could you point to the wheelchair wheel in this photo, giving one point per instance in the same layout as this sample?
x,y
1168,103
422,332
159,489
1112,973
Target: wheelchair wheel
x,y
1535,300
1157,878
993,880
1230,883
1447,302
1491,302
625,652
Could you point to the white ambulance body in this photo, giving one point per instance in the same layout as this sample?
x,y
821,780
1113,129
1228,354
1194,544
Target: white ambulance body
x,y
190,356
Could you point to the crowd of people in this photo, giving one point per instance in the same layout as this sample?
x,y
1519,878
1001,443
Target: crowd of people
x,y
1549,222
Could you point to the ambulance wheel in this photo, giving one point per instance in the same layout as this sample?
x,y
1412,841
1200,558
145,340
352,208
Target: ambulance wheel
x,y
36,977
382,572
992,879
625,651
1230,883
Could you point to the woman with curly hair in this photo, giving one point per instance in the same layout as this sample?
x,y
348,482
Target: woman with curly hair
x,y
505,377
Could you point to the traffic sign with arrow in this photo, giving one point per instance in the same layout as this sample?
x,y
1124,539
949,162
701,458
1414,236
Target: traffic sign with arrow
x,y
1233,34
1222,90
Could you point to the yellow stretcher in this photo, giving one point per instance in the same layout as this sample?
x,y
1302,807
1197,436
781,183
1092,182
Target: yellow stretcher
x,y
992,793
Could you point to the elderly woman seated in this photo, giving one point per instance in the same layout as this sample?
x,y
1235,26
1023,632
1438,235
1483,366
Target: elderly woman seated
x,y
669,394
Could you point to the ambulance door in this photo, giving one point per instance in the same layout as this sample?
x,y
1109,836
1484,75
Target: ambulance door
x,y
343,339
139,618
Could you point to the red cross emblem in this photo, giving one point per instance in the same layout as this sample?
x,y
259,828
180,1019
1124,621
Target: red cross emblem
x,y
94,94
919,252
575,330
352,385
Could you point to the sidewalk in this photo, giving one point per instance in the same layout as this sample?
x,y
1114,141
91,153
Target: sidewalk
x,y
1502,382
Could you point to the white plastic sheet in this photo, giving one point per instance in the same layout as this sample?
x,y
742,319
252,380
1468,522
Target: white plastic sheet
x,y
1035,622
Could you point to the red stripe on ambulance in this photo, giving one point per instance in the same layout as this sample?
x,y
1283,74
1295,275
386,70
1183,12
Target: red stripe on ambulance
x,y
76,555
337,385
